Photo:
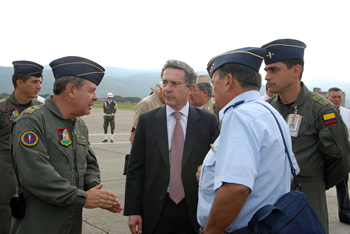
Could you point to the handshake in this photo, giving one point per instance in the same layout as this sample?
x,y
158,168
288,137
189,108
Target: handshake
x,y
96,197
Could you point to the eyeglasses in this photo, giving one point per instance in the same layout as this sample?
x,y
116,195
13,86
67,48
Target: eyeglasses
x,y
172,84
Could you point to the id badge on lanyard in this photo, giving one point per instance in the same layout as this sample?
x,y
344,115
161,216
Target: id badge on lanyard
x,y
293,122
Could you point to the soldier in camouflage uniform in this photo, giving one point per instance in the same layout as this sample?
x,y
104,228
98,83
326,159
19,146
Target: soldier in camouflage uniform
x,y
319,135
27,80
57,169
109,108
201,95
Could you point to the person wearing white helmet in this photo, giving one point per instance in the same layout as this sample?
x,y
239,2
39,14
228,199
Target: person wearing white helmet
x,y
109,108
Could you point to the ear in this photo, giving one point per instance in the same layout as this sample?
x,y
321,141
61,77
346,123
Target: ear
x,y
230,80
70,90
297,70
205,92
19,83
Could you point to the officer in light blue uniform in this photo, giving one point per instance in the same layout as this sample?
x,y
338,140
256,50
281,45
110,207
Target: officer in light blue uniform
x,y
247,167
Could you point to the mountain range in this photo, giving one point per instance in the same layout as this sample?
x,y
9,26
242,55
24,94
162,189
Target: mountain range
x,y
137,82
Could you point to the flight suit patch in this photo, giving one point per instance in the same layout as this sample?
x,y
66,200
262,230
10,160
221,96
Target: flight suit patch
x,y
81,140
323,101
63,133
13,113
329,119
29,138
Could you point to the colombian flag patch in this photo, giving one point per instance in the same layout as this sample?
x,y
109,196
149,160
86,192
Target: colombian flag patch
x,y
329,119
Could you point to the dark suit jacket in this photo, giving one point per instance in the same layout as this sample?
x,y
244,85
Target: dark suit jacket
x,y
149,171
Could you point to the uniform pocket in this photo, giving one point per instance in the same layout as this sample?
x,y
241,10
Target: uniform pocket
x,y
206,182
58,151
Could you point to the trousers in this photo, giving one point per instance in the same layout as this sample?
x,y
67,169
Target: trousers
x,y
343,199
108,120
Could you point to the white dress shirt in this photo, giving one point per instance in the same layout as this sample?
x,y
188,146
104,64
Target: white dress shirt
x,y
171,121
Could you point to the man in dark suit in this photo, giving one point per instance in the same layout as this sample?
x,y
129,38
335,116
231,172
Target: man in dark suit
x,y
152,200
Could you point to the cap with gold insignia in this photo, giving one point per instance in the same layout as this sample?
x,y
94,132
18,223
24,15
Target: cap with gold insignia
x,y
77,66
203,79
248,56
155,89
28,67
284,49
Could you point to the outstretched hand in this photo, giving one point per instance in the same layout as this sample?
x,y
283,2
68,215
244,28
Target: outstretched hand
x,y
95,197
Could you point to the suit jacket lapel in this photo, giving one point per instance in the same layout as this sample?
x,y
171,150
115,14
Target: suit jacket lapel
x,y
161,130
192,131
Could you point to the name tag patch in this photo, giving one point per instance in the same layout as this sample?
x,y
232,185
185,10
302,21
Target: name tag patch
x,y
81,140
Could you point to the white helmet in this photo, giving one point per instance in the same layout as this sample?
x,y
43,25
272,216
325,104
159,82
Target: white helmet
x,y
109,94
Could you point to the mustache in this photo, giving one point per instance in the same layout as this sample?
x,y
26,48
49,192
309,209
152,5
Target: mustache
x,y
165,94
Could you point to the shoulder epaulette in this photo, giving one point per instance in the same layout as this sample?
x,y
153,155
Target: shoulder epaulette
x,y
31,109
234,105
39,101
321,100
3,100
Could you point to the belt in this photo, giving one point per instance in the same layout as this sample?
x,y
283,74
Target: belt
x,y
201,231
109,114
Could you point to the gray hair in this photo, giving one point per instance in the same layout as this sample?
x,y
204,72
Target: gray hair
x,y
206,86
335,89
191,75
247,77
59,86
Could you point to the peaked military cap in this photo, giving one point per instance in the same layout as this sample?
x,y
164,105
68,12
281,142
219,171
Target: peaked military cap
x,y
156,88
203,79
77,66
248,56
284,49
28,67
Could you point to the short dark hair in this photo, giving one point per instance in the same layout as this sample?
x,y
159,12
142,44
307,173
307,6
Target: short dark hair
x,y
59,86
292,62
247,77
19,76
335,89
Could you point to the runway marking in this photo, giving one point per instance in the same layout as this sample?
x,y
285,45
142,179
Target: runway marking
x,y
105,143
115,134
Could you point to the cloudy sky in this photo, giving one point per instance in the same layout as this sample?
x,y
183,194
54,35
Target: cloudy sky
x,y
144,34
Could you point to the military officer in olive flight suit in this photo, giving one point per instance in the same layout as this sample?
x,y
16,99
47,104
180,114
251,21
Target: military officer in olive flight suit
x,y
57,169
319,135
27,80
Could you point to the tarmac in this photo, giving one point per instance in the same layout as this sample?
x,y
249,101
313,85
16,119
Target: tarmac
x,y
111,158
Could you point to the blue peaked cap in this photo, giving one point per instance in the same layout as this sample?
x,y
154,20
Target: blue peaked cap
x,y
28,67
77,66
248,56
284,49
